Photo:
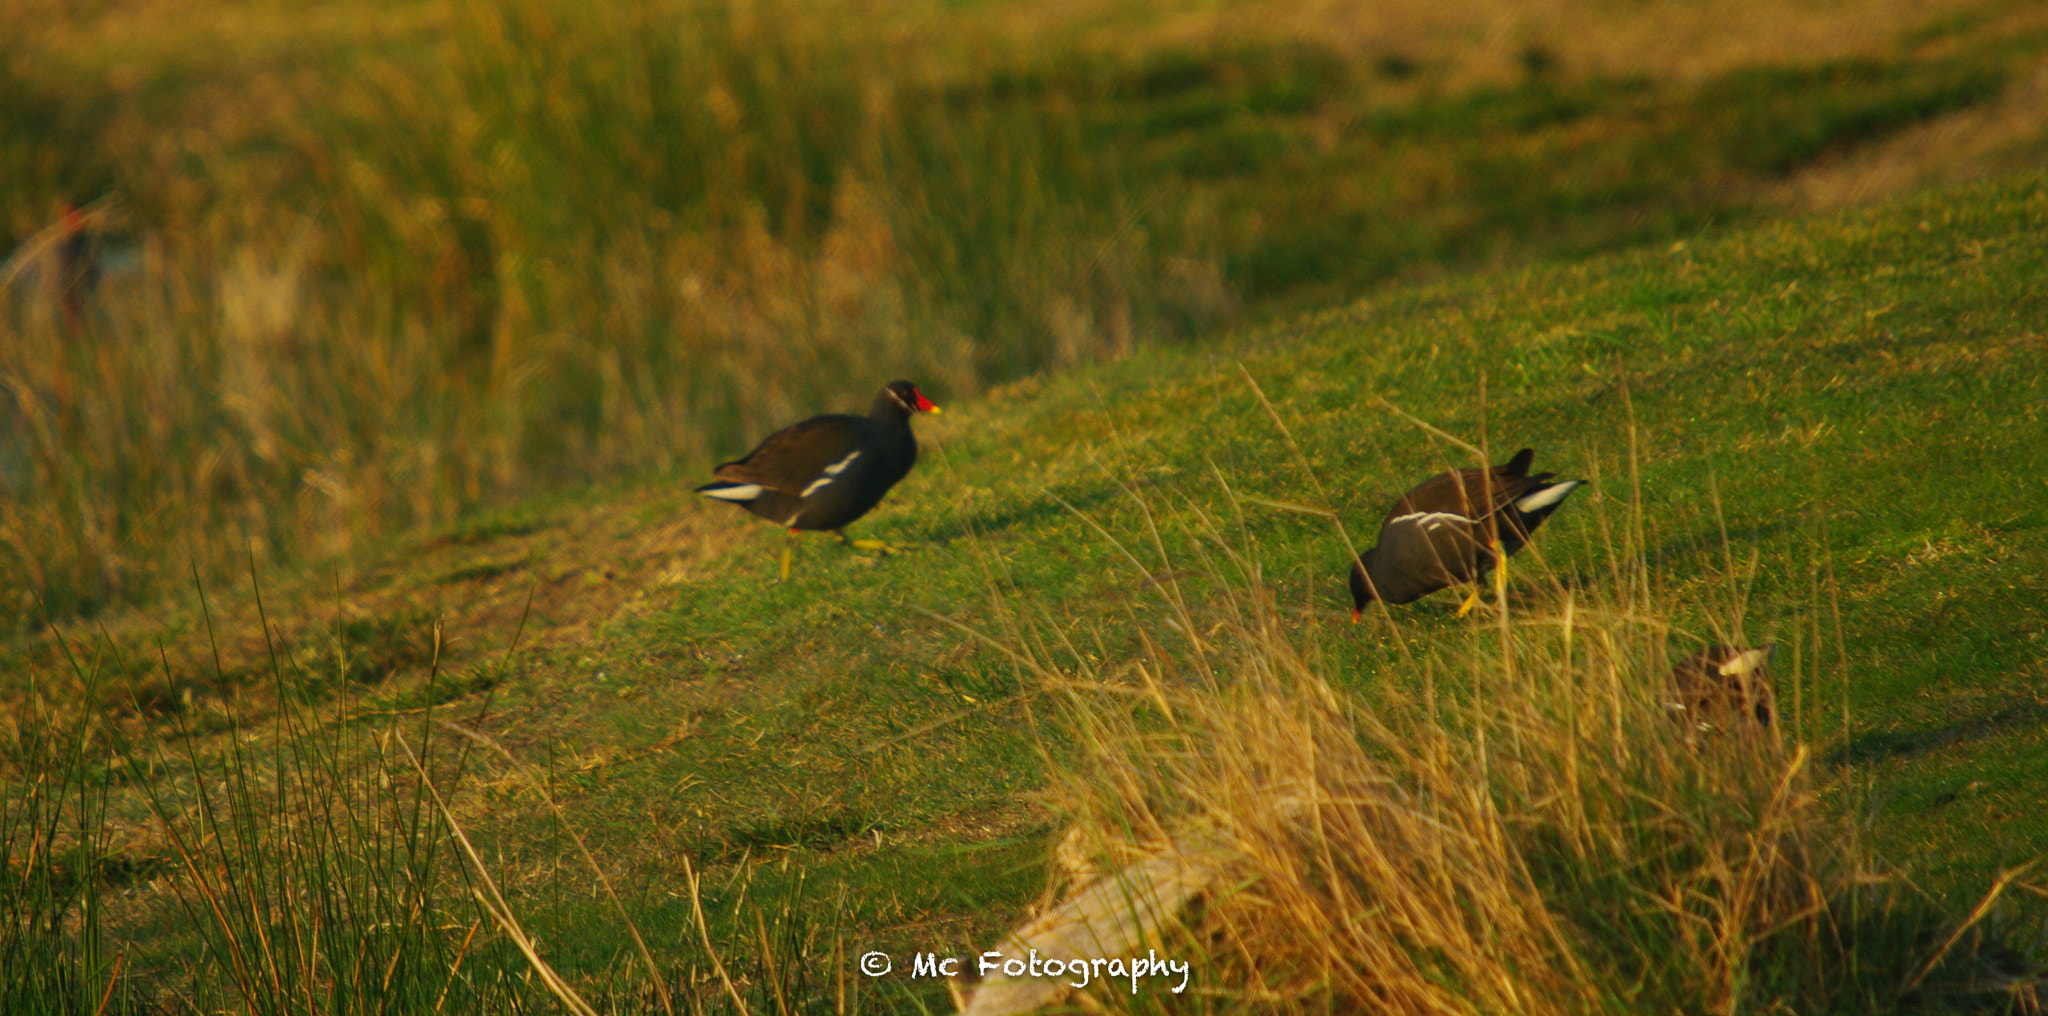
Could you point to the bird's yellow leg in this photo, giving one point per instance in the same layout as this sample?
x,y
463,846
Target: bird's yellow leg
x,y
1470,602
1500,582
788,546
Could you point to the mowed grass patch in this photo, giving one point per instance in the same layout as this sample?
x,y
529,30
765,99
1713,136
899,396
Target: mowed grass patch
x,y
1811,433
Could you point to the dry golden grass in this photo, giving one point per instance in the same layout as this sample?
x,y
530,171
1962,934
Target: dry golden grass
x,y
1961,146
1412,863
255,51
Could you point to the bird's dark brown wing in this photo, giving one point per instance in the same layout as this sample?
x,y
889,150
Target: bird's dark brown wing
x,y
1459,492
1466,491
794,457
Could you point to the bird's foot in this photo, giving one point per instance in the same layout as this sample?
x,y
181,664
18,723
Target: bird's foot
x,y
1470,602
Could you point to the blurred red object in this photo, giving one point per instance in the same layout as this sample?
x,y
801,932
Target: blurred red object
x,y
65,262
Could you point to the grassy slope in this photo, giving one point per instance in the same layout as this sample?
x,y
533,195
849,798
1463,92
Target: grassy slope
x,y
499,193
1863,393
1860,391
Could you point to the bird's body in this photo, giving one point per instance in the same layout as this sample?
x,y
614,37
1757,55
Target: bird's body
x,y
822,473
827,471
1451,528
1722,685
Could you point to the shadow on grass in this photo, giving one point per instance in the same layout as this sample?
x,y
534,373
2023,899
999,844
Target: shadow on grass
x,y
1705,544
1884,745
1034,511
816,832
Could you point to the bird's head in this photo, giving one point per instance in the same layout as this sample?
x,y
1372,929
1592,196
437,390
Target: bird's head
x,y
1362,591
907,396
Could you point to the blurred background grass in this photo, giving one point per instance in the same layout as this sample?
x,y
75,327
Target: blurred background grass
x,y
387,262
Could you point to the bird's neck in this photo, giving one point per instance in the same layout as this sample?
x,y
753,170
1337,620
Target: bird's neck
x,y
888,412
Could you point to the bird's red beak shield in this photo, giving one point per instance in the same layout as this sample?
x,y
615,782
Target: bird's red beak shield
x,y
924,405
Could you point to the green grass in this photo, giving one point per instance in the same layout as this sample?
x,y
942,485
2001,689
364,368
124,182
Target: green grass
x,y
1855,390
521,245
1818,433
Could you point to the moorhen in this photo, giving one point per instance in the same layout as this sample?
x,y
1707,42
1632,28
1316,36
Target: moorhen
x,y
829,470
1722,683
1449,529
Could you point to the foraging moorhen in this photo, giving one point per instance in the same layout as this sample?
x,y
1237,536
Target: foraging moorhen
x,y
1722,682
829,470
1445,530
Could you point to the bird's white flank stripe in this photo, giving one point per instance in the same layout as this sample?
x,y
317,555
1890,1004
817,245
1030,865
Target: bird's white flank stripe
x,y
1430,520
740,492
831,472
1548,496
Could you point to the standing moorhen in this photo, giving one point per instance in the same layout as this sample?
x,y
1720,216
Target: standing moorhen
x,y
1722,683
829,470
1450,528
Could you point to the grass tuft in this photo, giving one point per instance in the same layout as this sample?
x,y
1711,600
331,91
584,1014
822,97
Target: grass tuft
x,y
1500,817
